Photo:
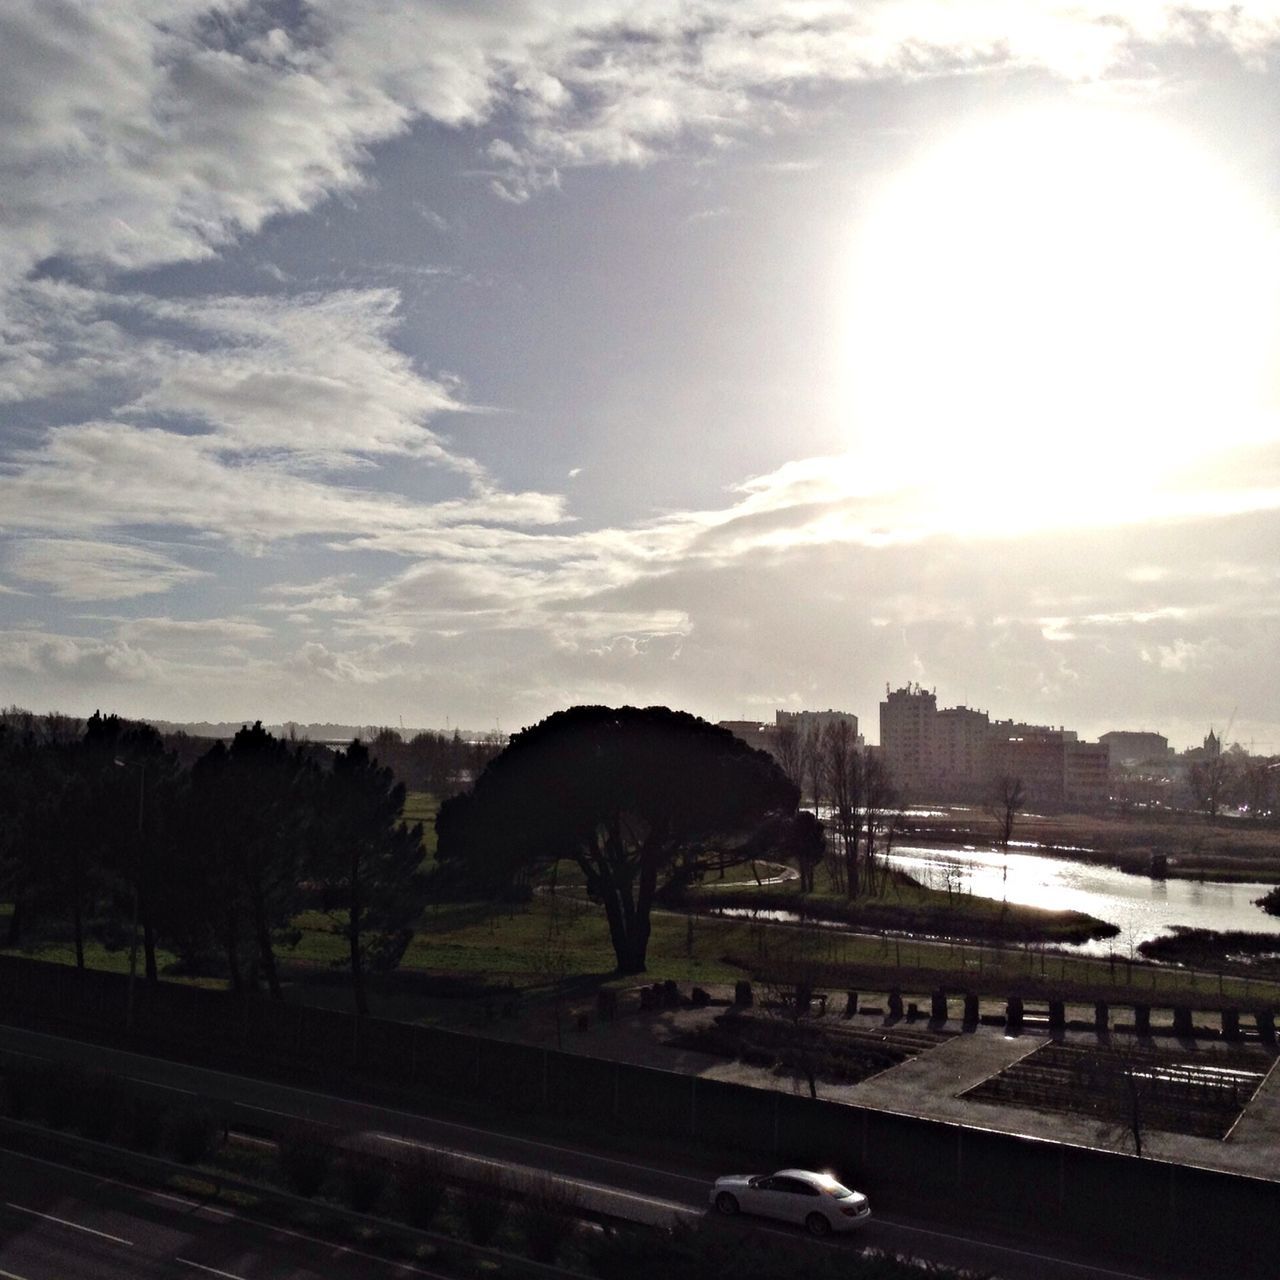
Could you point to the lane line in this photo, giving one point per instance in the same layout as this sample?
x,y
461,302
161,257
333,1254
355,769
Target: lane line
x,y
11,1275
213,1271
116,1182
75,1226
581,1183
397,1263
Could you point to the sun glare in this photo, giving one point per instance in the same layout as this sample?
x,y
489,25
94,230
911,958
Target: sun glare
x,y
1051,313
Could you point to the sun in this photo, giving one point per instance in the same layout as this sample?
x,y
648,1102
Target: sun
x,y
1051,312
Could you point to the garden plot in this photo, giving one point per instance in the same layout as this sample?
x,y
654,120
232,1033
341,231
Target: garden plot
x,y
835,1052
1198,1092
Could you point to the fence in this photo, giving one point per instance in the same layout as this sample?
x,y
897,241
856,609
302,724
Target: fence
x,y
1140,1207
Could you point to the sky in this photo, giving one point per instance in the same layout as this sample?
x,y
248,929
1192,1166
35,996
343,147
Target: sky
x,y
456,361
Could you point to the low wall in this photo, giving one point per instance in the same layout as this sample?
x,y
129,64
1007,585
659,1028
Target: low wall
x,y
1141,1208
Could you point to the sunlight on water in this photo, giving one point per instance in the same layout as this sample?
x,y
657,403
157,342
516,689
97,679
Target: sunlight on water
x,y
1142,908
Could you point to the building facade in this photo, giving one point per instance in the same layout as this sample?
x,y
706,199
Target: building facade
x,y
956,753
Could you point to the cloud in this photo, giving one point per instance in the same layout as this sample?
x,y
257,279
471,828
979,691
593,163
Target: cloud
x,y
155,131
76,660
77,569
196,631
314,659
313,375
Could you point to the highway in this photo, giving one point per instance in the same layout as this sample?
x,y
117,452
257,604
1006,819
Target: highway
x,y
182,1238
64,1224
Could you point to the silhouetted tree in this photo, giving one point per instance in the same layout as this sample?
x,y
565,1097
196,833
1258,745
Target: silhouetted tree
x,y
845,778
129,782
369,864
634,797
256,801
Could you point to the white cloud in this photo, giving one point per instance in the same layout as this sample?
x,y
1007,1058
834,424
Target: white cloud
x,y
76,569
154,131
75,660
314,659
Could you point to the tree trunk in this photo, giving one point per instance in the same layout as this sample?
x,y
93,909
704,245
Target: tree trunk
x,y
76,910
149,950
262,931
233,955
353,938
16,920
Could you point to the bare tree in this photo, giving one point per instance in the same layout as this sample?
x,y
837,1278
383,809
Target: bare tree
x,y
815,764
1008,796
845,778
796,1009
788,750
879,802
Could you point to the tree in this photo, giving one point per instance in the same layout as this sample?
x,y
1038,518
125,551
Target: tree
x,y
129,785
880,800
844,772
637,798
814,763
255,804
788,750
1008,795
369,863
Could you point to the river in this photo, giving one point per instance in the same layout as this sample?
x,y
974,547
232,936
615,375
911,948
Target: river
x,y
1140,907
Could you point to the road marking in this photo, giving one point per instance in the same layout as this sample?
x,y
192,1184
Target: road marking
x,y
213,1271
202,1207
116,1182
568,1180
11,1275
75,1226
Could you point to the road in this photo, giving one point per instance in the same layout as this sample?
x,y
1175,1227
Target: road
x,y
639,1189
64,1224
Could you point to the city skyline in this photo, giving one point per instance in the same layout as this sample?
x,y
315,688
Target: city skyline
x,y
367,361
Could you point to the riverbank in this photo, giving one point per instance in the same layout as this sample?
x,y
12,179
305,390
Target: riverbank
x,y
1257,954
902,905
1193,847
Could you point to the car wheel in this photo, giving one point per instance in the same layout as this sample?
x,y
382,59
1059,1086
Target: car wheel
x,y
727,1203
817,1225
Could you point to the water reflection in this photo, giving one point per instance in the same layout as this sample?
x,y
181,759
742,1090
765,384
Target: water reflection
x,y
1140,907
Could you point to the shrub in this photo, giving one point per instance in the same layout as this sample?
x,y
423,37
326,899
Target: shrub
x,y
483,1209
97,1107
59,1090
22,1090
420,1190
548,1217
364,1179
144,1123
191,1134
305,1158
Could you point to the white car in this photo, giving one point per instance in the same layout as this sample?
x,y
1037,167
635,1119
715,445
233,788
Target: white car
x,y
815,1201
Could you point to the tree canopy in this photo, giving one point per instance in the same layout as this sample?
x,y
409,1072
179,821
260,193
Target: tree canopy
x,y
637,797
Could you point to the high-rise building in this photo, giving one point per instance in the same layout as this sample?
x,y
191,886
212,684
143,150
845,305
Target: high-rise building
x,y
957,752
